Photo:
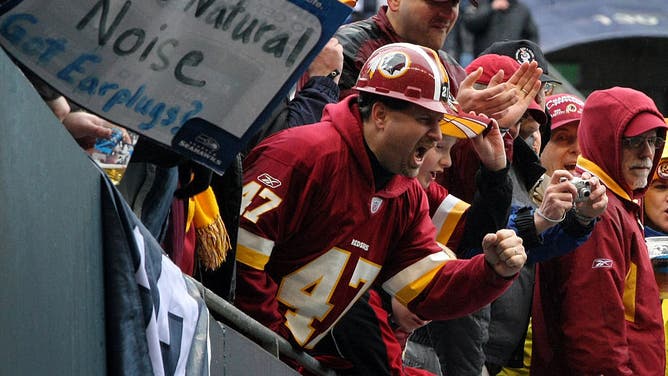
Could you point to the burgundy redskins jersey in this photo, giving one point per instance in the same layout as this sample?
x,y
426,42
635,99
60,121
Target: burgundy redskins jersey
x,y
315,235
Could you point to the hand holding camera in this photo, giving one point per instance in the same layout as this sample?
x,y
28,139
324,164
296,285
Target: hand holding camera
x,y
591,199
583,187
557,201
565,192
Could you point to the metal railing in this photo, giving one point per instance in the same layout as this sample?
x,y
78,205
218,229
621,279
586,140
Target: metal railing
x,y
260,334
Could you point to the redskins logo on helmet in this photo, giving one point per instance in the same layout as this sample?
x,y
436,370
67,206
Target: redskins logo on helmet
x,y
407,72
394,64
415,74
662,169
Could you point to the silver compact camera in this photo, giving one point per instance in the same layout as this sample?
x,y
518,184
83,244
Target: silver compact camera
x,y
583,188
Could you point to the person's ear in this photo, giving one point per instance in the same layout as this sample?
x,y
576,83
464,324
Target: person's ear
x,y
393,5
379,114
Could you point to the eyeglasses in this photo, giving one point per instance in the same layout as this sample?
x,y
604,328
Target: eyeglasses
x,y
639,141
548,88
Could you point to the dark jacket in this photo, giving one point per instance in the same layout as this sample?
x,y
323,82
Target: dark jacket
x,y
305,108
488,25
510,313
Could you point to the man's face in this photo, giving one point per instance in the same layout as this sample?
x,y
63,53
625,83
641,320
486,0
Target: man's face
x,y
436,160
561,152
637,162
656,205
424,22
528,125
406,137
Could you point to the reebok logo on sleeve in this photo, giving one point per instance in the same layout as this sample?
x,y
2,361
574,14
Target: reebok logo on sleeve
x,y
269,180
601,263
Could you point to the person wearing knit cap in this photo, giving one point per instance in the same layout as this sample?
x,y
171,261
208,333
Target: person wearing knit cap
x,y
597,309
559,152
492,64
525,51
512,123
560,139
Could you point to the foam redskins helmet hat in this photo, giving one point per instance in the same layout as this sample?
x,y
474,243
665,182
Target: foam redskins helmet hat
x,y
415,74
661,171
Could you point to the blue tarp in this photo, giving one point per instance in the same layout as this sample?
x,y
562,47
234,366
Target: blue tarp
x,y
565,23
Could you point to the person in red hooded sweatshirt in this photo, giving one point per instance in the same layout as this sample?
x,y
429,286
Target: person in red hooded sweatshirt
x,y
597,309
332,208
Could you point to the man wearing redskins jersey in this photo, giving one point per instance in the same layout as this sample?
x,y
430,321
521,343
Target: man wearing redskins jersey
x,y
332,208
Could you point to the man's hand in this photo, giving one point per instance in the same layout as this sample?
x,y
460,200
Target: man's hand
x,y
490,149
86,128
598,199
526,84
404,318
557,200
493,100
60,107
505,252
328,60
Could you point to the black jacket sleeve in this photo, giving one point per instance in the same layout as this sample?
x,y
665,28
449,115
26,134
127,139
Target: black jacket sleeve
x,y
490,208
307,105
305,108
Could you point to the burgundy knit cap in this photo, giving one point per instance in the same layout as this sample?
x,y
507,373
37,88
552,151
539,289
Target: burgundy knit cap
x,y
491,64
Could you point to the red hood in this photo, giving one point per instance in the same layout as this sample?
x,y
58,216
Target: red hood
x,y
604,118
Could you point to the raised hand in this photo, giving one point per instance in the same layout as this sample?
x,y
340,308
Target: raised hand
x,y
328,60
505,252
491,101
597,202
490,149
525,84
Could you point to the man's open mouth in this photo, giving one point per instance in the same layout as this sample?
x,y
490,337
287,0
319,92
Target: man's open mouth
x,y
420,152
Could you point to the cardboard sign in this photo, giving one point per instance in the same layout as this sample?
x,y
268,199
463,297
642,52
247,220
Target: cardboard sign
x,y
197,75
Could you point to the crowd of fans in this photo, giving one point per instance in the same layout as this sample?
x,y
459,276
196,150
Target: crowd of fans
x,y
467,220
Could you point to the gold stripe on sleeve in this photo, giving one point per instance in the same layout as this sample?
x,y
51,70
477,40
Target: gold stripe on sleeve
x,y
629,297
253,250
409,283
447,216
